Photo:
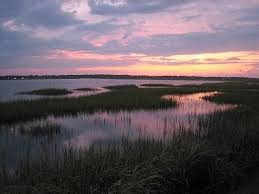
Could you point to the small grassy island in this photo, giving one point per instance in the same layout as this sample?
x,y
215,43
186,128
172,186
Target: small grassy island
x,y
121,87
48,92
86,89
157,85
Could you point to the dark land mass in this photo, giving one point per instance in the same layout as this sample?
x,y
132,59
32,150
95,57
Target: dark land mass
x,y
107,76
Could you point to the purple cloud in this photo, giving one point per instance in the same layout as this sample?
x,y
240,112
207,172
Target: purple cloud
x,y
30,28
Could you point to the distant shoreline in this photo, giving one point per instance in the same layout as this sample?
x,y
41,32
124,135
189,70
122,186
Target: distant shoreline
x,y
137,77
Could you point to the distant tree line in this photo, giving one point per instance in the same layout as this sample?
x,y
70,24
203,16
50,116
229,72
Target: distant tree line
x,y
107,76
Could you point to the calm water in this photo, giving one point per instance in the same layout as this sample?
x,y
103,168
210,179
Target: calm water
x,y
102,127
10,88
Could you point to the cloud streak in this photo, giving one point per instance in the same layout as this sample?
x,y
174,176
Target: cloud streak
x,y
122,7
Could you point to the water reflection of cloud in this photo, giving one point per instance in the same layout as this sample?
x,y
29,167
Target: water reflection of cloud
x,y
89,128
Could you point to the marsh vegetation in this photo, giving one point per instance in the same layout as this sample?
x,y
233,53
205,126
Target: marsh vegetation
x,y
213,158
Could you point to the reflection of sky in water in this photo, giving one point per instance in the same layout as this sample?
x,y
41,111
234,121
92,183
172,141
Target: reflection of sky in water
x,y
101,127
89,128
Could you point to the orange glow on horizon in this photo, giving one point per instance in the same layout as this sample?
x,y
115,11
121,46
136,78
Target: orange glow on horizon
x,y
203,58
188,70
205,64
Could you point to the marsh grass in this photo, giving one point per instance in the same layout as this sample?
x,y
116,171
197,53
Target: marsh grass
x,y
48,92
126,97
121,98
115,100
212,159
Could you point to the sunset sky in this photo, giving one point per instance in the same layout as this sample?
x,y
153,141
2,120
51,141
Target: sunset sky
x,y
151,37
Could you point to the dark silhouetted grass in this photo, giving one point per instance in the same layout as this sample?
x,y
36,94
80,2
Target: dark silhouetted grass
x,y
211,160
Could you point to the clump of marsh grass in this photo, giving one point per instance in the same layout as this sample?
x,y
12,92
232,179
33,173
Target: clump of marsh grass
x,y
48,92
